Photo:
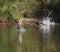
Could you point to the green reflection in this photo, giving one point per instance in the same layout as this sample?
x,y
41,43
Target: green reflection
x,y
8,42
33,40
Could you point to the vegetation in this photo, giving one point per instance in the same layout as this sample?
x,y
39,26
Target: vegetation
x,y
54,5
15,9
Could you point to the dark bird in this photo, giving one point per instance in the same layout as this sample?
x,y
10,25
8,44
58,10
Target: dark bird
x,y
39,22
18,27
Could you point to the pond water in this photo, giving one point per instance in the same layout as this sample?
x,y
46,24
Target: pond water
x,y
33,39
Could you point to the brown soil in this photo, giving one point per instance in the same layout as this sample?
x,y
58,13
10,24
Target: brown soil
x,y
28,20
24,21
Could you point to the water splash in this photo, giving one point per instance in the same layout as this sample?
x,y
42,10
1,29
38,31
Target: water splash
x,y
46,21
47,28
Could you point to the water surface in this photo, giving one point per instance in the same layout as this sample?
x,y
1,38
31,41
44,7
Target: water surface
x,y
34,39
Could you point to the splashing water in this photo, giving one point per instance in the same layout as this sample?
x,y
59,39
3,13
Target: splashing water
x,y
47,27
46,21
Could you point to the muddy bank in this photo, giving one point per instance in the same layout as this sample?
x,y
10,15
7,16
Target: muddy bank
x,y
24,21
28,20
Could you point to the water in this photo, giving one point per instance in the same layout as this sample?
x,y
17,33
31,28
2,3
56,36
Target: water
x,y
34,38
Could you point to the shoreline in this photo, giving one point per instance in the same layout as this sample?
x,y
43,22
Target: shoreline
x,y
24,21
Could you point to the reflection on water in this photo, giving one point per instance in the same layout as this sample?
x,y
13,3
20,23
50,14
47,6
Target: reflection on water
x,y
7,38
19,34
46,30
19,37
33,39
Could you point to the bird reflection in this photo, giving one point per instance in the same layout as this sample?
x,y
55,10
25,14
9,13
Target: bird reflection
x,y
20,30
19,34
